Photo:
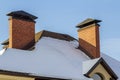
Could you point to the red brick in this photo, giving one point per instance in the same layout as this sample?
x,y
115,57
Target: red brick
x,y
22,32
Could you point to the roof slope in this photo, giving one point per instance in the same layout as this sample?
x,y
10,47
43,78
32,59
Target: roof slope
x,y
87,65
51,58
92,64
113,63
44,33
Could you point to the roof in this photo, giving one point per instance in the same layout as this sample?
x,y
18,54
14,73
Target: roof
x,y
51,57
6,42
90,65
87,65
13,73
45,33
51,51
87,22
23,14
113,63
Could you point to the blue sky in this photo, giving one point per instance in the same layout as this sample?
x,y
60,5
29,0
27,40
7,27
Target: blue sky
x,y
63,15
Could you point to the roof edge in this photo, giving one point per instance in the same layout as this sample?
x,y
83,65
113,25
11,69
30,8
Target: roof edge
x,y
22,74
105,65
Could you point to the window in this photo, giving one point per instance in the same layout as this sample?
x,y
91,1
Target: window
x,y
97,77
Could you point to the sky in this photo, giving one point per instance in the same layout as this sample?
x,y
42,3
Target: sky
x,y
63,15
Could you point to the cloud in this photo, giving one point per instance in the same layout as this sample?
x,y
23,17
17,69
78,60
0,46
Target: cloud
x,y
111,47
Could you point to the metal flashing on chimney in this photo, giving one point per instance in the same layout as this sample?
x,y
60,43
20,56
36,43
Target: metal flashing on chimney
x,y
87,22
22,15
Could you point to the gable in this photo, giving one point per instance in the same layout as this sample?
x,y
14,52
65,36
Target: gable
x,y
113,63
101,70
100,67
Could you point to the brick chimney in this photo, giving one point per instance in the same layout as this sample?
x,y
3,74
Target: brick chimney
x,y
21,30
88,34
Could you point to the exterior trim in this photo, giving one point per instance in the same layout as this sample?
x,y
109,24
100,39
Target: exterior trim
x,y
13,73
106,66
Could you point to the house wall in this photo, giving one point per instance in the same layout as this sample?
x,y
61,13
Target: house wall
x,y
100,69
9,77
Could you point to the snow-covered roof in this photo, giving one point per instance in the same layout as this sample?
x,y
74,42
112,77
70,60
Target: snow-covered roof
x,y
90,65
51,58
87,65
113,63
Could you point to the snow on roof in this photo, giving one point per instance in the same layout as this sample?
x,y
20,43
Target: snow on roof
x,y
2,51
113,63
51,58
87,65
